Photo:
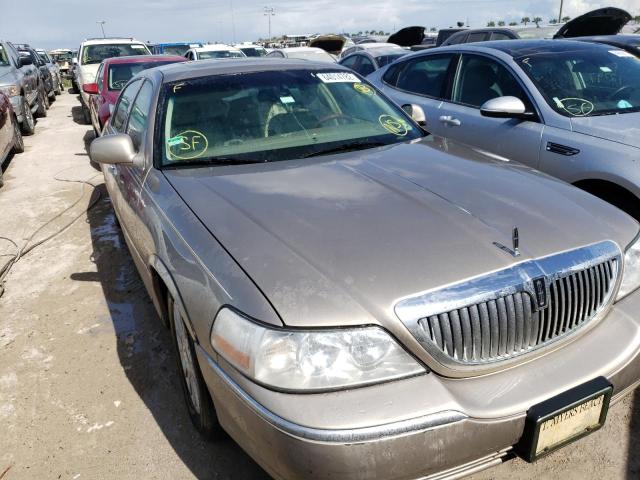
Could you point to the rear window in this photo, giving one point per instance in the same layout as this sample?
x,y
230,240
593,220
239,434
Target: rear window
x,y
179,50
220,54
92,54
120,74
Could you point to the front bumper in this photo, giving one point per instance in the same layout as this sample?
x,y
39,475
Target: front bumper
x,y
422,427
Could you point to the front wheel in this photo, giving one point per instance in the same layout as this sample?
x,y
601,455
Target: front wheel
x,y
42,104
196,395
28,123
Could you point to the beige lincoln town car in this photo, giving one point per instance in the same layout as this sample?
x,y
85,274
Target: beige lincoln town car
x,y
353,298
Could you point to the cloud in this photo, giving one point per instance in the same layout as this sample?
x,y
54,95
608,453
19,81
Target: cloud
x,y
65,23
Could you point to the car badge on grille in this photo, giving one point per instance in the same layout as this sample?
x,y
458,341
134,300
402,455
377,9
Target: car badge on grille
x,y
515,240
540,289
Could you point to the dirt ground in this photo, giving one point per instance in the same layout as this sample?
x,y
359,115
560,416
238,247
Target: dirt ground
x,y
88,386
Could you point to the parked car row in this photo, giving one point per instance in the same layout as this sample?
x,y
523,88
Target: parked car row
x,y
325,248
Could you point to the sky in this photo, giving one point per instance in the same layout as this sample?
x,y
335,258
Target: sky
x,y
65,23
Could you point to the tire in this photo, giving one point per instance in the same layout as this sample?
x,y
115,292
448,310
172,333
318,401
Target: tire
x,y
18,141
28,125
196,395
86,115
42,104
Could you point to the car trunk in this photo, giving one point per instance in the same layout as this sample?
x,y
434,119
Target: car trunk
x,y
408,36
332,44
603,21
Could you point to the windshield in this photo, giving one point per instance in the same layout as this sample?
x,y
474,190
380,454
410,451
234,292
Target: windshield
x,y
179,50
120,73
96,53
254,51
4,61
313,55
274,116
61,57
586,82
220,54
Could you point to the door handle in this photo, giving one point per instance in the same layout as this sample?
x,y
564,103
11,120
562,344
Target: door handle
x,y
449,120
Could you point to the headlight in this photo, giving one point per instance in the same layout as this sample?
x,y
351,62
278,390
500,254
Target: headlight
x,y
310,359
631,271
10,90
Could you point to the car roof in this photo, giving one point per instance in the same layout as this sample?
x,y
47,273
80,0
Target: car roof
x,y
186,70
519,48
110,41
143,59
617,39
302,49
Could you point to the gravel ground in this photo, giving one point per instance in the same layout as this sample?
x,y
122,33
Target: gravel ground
x,y
88,386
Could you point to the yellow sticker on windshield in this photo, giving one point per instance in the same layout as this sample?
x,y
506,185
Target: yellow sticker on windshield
x,y
364,89
395,125
187,145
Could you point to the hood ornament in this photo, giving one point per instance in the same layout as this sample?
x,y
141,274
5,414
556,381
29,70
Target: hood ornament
x,y
515,240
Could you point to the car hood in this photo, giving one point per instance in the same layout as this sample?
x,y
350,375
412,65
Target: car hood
x,y
623,128
603,21
408,36
337,241
6,75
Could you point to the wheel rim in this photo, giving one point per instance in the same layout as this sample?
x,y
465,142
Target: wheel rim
x,y
187,362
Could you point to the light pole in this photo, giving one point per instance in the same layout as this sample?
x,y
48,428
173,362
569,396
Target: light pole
x,y
233,23
101,23
269,12
560,14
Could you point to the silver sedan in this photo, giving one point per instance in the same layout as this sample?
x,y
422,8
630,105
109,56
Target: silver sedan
x,y
349,297
570,109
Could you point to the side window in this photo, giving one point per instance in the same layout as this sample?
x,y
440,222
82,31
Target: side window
x,y
350,61
480,79
500,36
426,75
139,115
477,37
119,119
366,66
100,77
457,38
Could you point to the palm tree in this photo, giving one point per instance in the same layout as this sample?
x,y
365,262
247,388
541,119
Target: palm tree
x,y
525,20
491,23
565,19
501,23
537,21
553,21
433,29
513,24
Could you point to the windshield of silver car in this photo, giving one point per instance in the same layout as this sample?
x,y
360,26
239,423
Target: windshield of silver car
x,y
220,54
586,83
120,73
97,53
4,61
276,115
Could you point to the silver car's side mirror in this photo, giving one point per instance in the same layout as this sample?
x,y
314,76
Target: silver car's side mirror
x,y
112,149
417,113
504,107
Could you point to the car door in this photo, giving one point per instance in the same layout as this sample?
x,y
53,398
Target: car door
x,y
96,101
480,78
118,124
424,81
131,177
6,127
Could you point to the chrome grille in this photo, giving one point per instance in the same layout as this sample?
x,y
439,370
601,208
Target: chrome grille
x,y
495,318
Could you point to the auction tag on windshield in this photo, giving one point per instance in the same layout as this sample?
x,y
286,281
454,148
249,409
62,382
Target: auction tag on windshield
x,y
622,53
338,77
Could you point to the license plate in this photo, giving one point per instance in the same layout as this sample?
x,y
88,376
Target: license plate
x,y
564,419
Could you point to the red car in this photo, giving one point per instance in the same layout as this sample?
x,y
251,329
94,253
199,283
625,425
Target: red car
x,y
10,136
113,74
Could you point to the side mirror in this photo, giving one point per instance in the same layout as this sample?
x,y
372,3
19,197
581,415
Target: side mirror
x,y
504,107
75,60
90,88
417,113
25,61
112,149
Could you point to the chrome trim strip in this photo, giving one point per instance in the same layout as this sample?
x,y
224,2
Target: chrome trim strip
x,y
509,281
350,435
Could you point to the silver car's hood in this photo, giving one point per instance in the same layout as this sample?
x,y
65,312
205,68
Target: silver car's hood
x,y
623,128
337,241
6,76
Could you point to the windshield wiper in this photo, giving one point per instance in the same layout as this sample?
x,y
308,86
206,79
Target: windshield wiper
x,y
347,147
209,161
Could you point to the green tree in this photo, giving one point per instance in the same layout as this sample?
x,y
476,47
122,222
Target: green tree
x,y
553,21
513,24
491,23
636,19
537,21
433,29
566,19
525,20
501,23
